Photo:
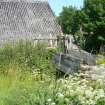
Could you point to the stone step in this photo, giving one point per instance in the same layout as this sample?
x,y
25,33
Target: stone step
x,y
93,72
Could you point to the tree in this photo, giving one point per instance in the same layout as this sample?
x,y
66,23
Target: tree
x,y
87,24
94,24
65,19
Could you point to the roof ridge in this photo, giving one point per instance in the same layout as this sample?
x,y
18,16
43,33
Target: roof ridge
x,y
24,0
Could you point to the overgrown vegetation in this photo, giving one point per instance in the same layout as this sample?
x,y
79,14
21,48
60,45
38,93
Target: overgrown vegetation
x,y
27,73
101,60
28,57
31,90
87,24
27,77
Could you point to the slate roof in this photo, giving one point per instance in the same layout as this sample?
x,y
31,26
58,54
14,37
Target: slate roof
x,y
26,19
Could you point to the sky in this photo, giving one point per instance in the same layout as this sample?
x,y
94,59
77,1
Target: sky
x,y
57,5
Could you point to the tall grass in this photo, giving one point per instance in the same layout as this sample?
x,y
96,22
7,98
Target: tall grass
x,y
28,57
24,89
28,89
26,71
27,78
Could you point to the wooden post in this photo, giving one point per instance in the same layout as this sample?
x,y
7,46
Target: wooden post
x,y
70,44
55,42
51,42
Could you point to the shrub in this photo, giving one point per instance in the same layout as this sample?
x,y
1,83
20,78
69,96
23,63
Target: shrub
x,y
27,56
100,59
26,78
68,91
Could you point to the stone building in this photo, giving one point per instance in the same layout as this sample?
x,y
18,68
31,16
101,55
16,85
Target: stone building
x,y
31,20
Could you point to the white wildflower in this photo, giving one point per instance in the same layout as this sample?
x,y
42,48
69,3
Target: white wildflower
x,y
60,95
90,88
88,94
79,91
66,100
60,81
101,93
53,103
49,100
92,102
72,92
101,82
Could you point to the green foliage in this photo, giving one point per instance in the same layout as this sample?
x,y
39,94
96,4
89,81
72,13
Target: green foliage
x,y
27,78
89,22
66,19
15,90
28,56
95,24
100,59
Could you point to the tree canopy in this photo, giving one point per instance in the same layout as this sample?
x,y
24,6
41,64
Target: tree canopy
x,y
66,19
89,22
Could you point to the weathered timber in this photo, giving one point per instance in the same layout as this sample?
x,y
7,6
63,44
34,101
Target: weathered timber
x,y
70,63
85,57
67,64
27,20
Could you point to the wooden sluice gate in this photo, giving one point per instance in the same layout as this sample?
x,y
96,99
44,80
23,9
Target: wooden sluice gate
x,y
72,57
66,63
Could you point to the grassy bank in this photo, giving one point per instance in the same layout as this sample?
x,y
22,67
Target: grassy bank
x,y
27,57
30,89
27,77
